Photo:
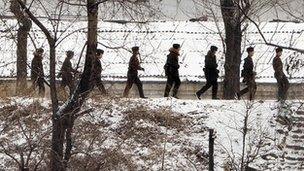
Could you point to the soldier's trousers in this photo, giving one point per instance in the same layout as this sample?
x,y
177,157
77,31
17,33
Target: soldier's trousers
x,y
133,78
251,88
283,86
70,84
39,82
172,79
209,83
102,88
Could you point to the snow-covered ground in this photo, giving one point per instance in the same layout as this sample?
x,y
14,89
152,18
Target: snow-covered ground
x,y
165,133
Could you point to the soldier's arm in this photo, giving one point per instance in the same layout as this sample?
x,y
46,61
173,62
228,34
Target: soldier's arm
x,y
139,67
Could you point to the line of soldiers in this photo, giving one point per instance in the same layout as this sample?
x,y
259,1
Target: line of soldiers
x,y
67,73
248,74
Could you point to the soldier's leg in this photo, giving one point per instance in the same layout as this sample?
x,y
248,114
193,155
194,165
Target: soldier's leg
x,y
244,91
40,83
140,87
285,87
252,89
34,85
61,90
101,87
71,86
168,85
128,87
177,84
214,89
280,89
204,88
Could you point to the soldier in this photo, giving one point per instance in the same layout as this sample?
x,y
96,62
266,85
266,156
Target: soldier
x,y
134,66
211,74
37,74
282,81
96,72
171,70
248,76
67,72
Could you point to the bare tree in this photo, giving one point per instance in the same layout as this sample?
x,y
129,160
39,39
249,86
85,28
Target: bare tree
x,y
63,117
25,25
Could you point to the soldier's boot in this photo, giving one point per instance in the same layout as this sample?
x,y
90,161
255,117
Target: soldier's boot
x,y
141,91
198,95
175,89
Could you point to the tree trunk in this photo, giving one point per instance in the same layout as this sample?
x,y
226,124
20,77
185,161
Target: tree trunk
x,y
63,117
25,25
63,120
232,21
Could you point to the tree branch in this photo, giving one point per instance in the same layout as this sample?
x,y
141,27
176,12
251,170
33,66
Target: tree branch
x,y
263,37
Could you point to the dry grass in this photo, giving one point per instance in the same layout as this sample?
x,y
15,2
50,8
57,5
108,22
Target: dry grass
x,y
25,132
144,134
110,159
4,91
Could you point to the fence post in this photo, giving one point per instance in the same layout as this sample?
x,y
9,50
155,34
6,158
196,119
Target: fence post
x,y
211,149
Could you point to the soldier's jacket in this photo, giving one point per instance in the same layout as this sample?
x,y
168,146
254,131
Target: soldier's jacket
x,y
278,67
134,64
172,66
37,68
247,71
67,70
210,69
96,71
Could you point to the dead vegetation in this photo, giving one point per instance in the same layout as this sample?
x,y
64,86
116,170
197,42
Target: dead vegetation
x,y
114,135
109,159
143,124
24,135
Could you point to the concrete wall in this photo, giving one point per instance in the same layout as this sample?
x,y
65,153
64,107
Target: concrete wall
x,y
187,90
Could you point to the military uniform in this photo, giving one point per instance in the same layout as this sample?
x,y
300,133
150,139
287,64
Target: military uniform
x,y
211,74
66,73
171,70
282,81
96,76
37,74
132,76
248,78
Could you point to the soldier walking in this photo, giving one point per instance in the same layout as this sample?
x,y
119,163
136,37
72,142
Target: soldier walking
x,y
248,76
211,74
96,72
282,81
132,75
67,73
171,70
37,73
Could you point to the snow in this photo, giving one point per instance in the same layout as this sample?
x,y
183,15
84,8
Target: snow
x,y
154,39
144,130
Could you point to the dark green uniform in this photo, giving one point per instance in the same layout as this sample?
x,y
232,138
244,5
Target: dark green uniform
x,y
37,74
171,70
282,81
248,78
